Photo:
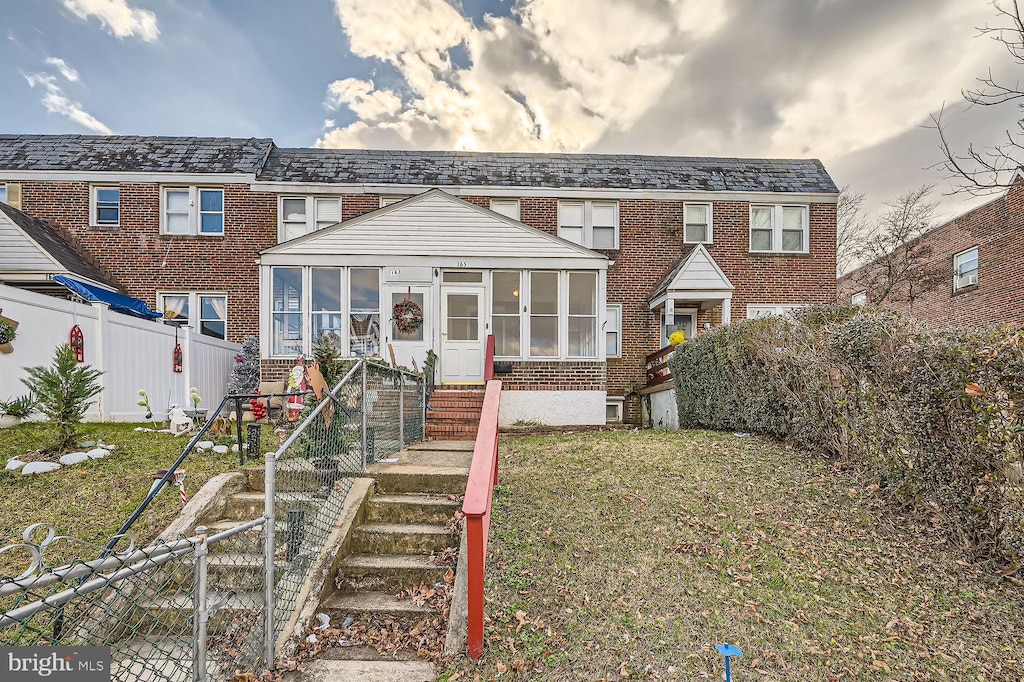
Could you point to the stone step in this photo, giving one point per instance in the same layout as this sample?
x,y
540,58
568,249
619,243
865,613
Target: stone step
x,y
172,613
411,478
152,658
409,508
364,671
366,606
402,538
226,570
387,572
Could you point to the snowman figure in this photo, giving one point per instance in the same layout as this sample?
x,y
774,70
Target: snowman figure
x,y
180,422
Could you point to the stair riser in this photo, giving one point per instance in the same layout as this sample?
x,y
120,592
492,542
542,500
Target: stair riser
x,y
443,484
397,512
389,580
405,619
454,416
298,481
251,508
468,405
225,577
173,621
401,543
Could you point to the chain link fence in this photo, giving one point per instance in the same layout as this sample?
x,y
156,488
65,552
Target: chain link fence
x,y
196,608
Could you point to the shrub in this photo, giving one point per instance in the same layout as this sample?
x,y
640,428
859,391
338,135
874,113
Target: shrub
x,y
935,416
64,391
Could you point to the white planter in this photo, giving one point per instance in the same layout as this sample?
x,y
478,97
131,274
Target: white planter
x,y
7,421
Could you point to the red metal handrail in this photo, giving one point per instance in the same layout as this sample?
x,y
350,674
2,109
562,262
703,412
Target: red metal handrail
x,y
489,359
483,476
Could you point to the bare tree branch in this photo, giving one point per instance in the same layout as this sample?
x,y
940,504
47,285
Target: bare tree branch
x,y
851,229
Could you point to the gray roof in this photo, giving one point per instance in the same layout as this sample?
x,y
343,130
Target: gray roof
x,y
47,238
133,153
515,169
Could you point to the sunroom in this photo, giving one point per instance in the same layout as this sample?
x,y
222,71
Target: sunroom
x,y
436,273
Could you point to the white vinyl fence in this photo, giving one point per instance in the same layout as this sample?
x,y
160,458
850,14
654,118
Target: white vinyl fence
x,y
131,352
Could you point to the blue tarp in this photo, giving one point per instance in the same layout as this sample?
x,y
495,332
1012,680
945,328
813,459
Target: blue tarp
x,y
117,302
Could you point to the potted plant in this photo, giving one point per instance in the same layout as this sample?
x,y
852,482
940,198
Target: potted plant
x,y
12,411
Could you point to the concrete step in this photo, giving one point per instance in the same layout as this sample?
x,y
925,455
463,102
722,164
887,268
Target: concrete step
x,y
298,475
172,613
402,538
365,606
246,506
152,658
387,572
365,671
442,446
410,508
412,478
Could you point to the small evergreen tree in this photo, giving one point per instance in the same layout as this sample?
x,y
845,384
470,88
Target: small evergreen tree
x,y
327,353
64,391
245,375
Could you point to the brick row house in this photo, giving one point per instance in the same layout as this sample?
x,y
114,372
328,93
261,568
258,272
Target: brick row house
x,y
579,265
976,261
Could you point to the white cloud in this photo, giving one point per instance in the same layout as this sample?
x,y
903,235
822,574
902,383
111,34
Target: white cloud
x,y
57,102
362,99
64,68
117,17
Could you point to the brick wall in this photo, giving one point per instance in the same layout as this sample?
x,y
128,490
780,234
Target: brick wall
x,y
554,376
997,229
139,259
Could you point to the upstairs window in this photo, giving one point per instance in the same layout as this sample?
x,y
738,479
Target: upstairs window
x,y
3,193
697,223
779,229
388,199
212,309
593,224
506,207
302,215
613,331
193,211
965,269
105,206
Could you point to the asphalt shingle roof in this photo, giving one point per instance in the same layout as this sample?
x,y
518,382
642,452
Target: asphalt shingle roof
x,y
42,234
132,153
515,169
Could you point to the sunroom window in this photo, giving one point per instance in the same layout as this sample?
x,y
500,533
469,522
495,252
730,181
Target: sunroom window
x,y
506,309
582,314
544,314
286,306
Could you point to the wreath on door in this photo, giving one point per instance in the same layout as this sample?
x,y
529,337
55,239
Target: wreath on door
x,y
407,316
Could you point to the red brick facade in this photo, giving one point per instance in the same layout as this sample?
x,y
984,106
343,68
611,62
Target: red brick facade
x,y
997,230
142,261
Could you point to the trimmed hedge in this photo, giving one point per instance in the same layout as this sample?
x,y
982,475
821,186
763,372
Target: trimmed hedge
x,y
935,416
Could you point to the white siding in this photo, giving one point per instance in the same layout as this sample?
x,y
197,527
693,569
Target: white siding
x,y
700,273
435,225
18,253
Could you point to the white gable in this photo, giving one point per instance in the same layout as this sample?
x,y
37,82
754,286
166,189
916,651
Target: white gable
x,y
19,253
434,224
700,272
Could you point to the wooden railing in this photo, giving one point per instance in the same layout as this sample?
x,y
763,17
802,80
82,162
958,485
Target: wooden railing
x,y
489,359
483,476
658,371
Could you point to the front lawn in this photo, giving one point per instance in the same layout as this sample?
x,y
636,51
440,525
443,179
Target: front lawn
x,y
91,500
629,555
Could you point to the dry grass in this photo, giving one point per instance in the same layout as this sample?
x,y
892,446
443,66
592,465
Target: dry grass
x,y
89,501
629,555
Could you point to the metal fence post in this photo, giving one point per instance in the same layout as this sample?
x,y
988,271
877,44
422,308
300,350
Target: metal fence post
x,y
269,489
200,616
401,410
362,406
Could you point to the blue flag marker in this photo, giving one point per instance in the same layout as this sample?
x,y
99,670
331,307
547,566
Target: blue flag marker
x,y
728,650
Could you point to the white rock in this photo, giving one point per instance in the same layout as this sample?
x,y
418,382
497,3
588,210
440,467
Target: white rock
x,y
98,453
220,449
40,468
234,448
110,447
74,458
13,464
204,444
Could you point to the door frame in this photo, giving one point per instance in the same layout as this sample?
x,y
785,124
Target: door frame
x,y
483,324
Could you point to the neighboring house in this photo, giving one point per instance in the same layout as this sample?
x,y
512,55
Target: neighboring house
x,y
979,259
580,265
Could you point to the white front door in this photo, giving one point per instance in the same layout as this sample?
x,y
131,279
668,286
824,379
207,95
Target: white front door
x,y
413,345
462,337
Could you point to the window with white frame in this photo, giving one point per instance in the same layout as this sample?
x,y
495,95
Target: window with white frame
x,y
506,313
697,223
756,311
779,229
388,199
206,312
582,321
965,269
302,215
506,207
326,304
859,298
593,224
105,206
193,211
3,193
613,331
613,410
544,294
364,311
286,311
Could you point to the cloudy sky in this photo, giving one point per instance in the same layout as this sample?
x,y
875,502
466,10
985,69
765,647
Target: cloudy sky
x,y
851,82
